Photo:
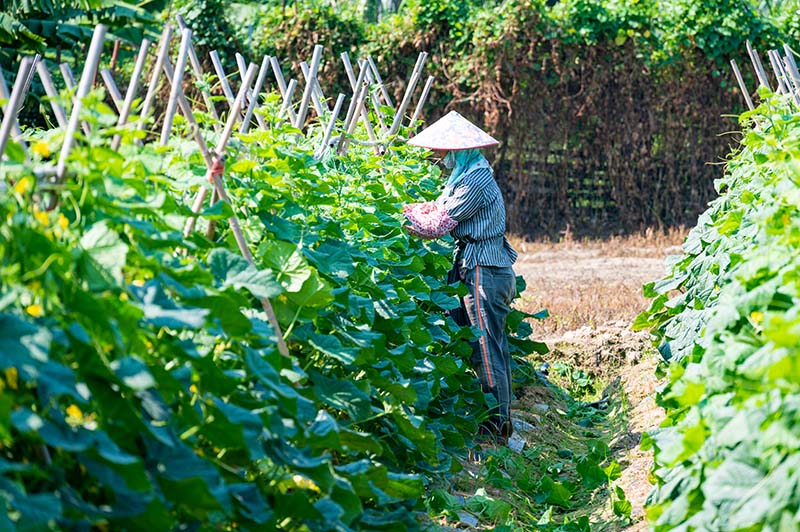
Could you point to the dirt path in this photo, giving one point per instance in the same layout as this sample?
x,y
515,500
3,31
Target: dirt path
x,y
593,293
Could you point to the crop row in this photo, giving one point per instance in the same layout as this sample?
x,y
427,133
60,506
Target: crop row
x,y
141,383
727,319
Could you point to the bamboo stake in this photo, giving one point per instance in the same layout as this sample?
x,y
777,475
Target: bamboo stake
x,y
112,89
778,70
241,63
69,82
282,87
177,86
219,187
6,95
130,93
252,96
223,80
788,83
351,110
262,75
355,85
317,98
197,68
350,126
186,110
69,78
381,84
15,102
422,99
760,73
52,93
286,108
301,114
376,103
412,84
223,142
89,70
791,65
163,50
244,248
243,128
742,86
329,130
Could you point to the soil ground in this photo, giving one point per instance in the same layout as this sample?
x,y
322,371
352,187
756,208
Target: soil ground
x,y
593,292
597,384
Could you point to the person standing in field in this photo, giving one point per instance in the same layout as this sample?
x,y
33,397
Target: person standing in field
x,y
471,209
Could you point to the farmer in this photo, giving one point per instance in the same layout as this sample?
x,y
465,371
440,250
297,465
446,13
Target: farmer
x,y
471,209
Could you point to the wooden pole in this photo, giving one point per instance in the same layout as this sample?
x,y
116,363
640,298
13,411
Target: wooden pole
x,y
791,64
52,93
412,84
422,99
759,69
381,84
223,80
221,145
219,187
186,110
355,84
282,87
197,68
6,95
69,82
301,114
350,126
262,75
15,102
177,86
163,50
89,70
778,70
742,86
376,103
317,98
130,93
113,90
286,108
69,79
329,130
351,110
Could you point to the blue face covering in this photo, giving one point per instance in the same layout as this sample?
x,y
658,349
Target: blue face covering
x,y
463,162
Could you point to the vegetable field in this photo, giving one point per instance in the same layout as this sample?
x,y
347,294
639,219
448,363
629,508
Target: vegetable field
x,y
728,321
142,383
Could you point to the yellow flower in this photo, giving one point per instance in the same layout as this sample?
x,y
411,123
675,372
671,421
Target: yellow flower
x,y
305,483
63,222
12,378
23,185
138,282
193,388
34,310
41,216
41,148
757,317
74,412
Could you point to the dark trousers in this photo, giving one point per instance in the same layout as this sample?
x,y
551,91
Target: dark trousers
x,y
485,307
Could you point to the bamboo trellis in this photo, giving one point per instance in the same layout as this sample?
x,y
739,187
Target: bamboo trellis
x,y
242,109
784,69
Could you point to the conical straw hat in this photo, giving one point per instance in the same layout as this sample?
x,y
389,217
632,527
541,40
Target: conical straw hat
x,y
453,132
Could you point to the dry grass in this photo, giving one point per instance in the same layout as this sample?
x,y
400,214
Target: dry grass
x,y
591,282
634,245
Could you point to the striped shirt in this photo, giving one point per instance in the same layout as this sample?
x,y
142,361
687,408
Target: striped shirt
x,y
477,205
